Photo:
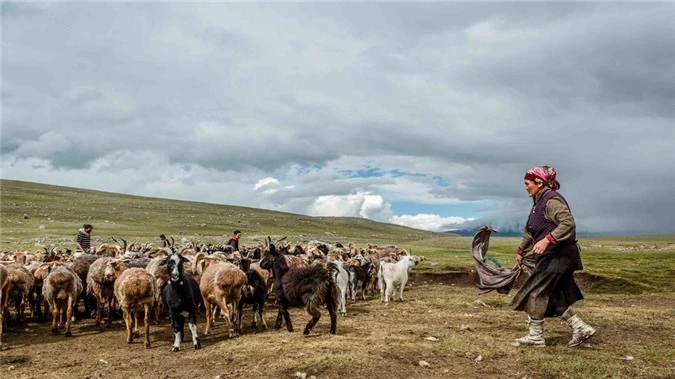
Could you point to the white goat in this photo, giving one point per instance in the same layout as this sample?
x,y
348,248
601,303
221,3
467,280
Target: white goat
x,y
341,276
392,275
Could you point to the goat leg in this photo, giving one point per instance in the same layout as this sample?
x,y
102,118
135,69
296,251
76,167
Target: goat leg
x,y
209,311
280,315
137,315
192,324
146,323
69,315
178,323
128,322
55,318
316,315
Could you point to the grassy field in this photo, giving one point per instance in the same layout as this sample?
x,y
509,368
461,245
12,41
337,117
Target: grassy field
x,y
629,284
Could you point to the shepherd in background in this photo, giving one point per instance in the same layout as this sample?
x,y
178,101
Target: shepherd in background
x,y
234,240
83,241
550,233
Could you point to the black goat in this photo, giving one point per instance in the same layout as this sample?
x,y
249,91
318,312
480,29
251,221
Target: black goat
x,y
253,292
359,276
311,286
181,294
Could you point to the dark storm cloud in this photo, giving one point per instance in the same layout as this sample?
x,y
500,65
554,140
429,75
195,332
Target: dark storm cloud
x,y
493,88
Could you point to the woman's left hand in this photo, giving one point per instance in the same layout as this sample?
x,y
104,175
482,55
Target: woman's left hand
x,y
540,246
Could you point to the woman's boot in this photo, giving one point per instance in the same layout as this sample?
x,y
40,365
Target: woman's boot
x,y
535,338
581,331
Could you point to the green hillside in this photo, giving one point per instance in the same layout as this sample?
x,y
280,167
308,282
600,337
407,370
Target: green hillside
x,y
35,214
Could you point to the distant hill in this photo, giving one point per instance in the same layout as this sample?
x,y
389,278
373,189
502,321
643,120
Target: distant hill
x,y
34,213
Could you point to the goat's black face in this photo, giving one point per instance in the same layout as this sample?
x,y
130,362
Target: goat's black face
x,y
174,264
268,260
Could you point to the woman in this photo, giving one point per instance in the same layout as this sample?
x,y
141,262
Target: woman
x,y
550,233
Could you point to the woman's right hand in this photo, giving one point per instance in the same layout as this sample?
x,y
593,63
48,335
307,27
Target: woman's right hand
x,y
519,256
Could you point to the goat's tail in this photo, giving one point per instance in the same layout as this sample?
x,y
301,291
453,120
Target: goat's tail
x,y
333,269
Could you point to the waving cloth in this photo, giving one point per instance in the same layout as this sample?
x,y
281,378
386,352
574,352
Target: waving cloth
x,y
493,278
545,173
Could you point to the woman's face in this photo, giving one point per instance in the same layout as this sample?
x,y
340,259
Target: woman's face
x,y
532,188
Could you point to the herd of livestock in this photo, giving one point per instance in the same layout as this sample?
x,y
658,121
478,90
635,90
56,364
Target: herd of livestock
x,y
187,278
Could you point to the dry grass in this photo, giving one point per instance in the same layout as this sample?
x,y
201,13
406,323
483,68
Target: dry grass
x,y
375,340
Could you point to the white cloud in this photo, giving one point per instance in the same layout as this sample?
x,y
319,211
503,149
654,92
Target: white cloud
x,y
432,222
361,204
45,146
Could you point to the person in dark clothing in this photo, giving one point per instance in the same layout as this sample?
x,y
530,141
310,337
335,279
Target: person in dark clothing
x,y
83,241
550,233
234,240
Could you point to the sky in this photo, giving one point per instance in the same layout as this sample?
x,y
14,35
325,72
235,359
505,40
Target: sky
x,y
420,114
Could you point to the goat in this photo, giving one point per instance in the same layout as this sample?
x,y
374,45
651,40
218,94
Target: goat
x,y
101,279
81,265
253,292
4,292
221,284
392,275
20,282
341,277
311,286
61,288
359,277
180,295
135,288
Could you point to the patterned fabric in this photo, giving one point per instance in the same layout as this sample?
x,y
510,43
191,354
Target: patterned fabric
x,y
84,239
545,173
537,224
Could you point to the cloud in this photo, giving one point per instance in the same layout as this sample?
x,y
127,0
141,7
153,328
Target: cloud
x,y
361,204
385,111
430,222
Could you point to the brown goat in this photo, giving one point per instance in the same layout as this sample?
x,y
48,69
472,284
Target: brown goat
x,y
20,282
100,282
136,289
81,265
60,290
4,290
220,285
161,275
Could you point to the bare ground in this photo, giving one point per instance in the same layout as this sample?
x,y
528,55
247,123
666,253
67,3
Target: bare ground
x,y
470,339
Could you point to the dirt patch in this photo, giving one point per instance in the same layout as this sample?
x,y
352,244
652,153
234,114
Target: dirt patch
x,y
587,282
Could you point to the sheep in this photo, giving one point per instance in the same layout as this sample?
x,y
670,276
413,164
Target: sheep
x,y
4,292
81,265
253,292
220,285
38,300
392,275
341,277
61,288
100,282
180,295
135,289
20,282
310,286
161,274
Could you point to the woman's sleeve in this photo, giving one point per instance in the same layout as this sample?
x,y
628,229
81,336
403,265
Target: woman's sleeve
x,y
527,241
558,212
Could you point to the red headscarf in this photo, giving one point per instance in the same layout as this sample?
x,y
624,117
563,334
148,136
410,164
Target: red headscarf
x,y
545,173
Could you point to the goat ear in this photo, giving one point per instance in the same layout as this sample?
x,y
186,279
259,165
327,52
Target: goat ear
x,y
183,259
164,261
